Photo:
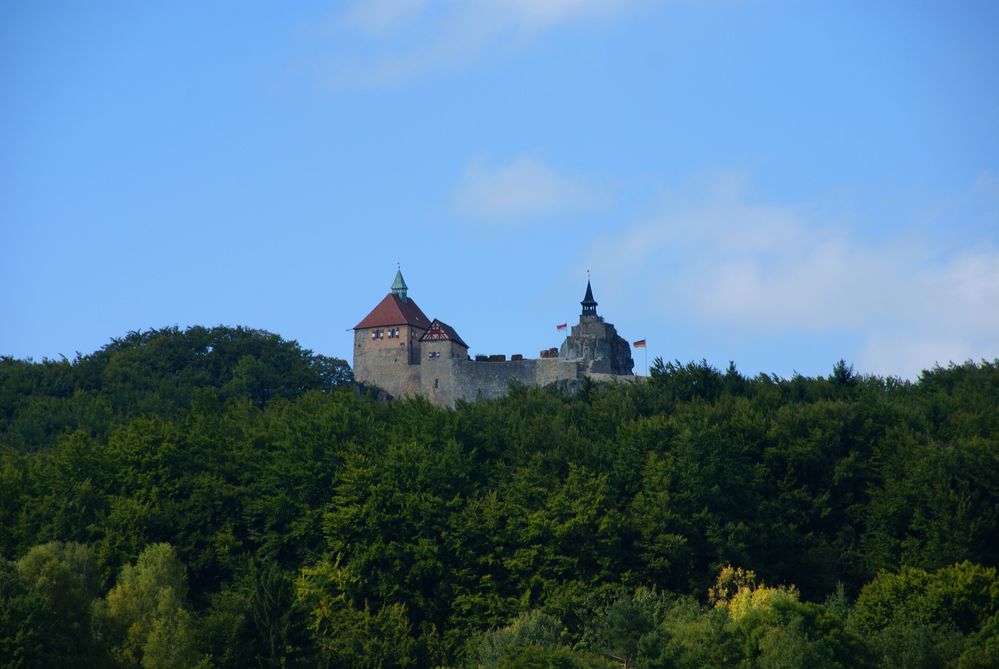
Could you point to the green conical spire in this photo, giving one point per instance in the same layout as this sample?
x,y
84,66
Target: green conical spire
x,y
399,286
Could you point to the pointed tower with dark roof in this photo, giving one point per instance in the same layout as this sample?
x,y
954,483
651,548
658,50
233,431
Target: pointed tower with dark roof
x,y
589,304
597,343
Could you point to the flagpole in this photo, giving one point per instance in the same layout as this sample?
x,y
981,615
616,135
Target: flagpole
x,y
646,347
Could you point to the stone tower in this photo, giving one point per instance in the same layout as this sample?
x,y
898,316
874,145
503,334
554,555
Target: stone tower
x,y
596,342
387,343
442,347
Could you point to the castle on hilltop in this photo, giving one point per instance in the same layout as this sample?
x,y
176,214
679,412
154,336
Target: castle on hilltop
x,y
401,351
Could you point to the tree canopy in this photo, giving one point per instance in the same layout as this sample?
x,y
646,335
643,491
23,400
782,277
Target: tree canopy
x,y
223,498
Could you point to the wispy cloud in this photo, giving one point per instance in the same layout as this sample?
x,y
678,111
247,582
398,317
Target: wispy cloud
x,y
762,269
379,17
521,190
394,40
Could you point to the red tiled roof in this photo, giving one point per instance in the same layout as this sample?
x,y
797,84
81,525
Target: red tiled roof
x,y
393,311
440,328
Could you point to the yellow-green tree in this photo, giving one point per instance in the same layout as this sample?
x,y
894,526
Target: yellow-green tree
x,y
144,620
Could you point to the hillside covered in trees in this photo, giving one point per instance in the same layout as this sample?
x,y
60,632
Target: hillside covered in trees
x,y
223,498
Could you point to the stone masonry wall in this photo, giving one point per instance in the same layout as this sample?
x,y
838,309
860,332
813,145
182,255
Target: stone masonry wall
x,y
598,342
486,380
436,380
470,380
386,362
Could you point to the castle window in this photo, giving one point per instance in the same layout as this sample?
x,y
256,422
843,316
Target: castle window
x,y
435,354
377,334
394,333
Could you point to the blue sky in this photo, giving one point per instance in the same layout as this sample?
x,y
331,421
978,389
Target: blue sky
x,y
781,184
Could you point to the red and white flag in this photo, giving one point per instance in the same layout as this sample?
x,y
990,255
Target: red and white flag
x,y
561,327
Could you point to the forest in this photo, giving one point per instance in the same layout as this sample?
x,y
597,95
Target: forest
x,y
221,497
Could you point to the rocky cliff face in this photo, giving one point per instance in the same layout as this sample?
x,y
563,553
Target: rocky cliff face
x,y
599,344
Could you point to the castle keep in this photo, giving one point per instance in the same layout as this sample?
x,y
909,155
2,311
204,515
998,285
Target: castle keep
x,y
398,349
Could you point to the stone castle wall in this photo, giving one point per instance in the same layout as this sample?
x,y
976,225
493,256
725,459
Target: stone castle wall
x,y
445,381
402,370
598,342
441,371
386,362
485,380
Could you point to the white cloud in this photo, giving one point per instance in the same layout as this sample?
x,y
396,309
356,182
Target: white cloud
x,y
522,189
541,14
377,17
400,39
764,269
906,354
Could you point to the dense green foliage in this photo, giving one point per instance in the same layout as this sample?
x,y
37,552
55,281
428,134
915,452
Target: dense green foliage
x,y
153,373
222,498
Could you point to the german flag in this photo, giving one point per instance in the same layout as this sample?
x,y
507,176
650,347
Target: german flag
x,y
639,344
